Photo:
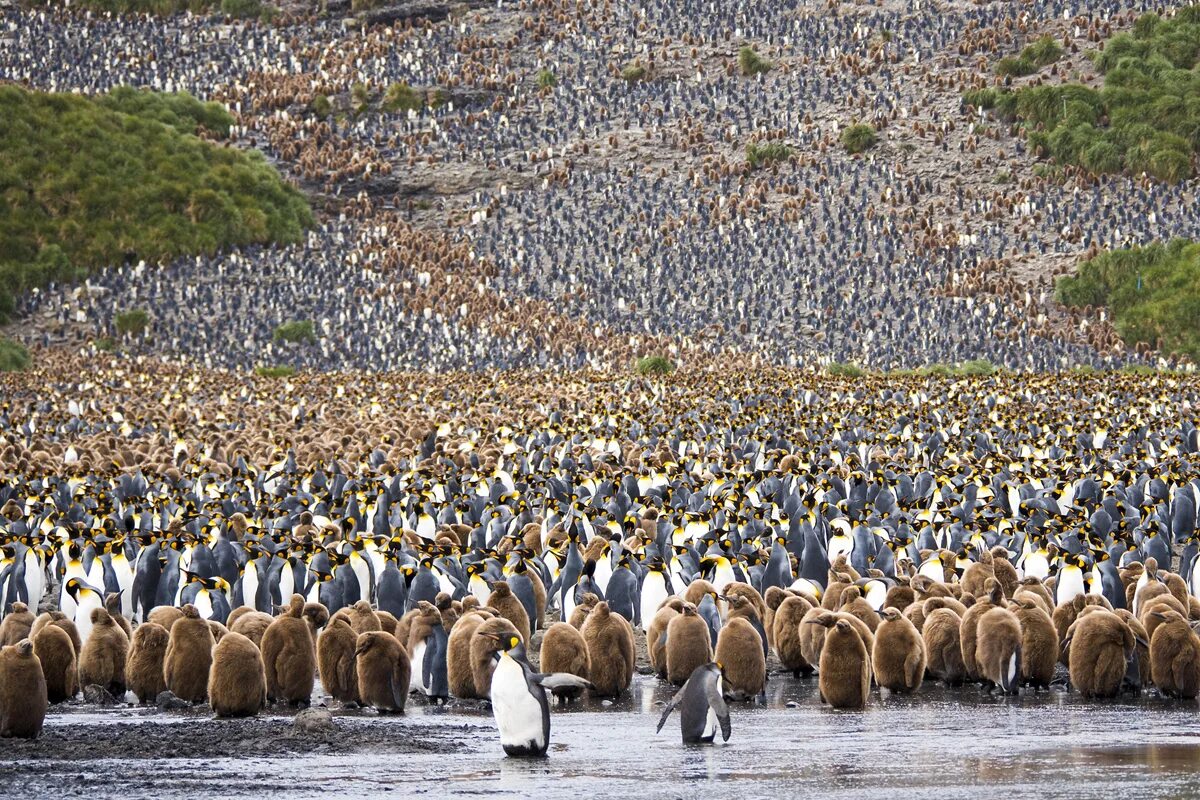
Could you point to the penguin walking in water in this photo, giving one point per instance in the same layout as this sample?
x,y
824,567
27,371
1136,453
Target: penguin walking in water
x,y
519,701
702,706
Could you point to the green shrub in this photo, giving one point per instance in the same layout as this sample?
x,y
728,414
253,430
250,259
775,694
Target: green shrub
x,y
295,331
633,72
1044,52
105,344
402,97
975,367
546,79
1014,67
241,8
282,371
767,153
1144,120
1153,293
13,355
858,138
845,370
132,322
751,63
321,106
360,95
119,176
654,365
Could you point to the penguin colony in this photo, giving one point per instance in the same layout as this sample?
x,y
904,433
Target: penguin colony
x,y
910,254
869,536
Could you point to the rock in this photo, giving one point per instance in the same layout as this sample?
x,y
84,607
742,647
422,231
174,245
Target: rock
x,y
94,694
313,721
792,704
166,701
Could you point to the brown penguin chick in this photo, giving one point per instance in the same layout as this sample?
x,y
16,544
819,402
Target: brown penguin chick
x,y
59,620
388,621
975,576
165,616
579,614
740,653
841,565
189,656
404,625
483,644
17,625
1160,602
1003,570
1175,656
237,614
458,655
1100,645
900,597
252,625
335,660
696,590
564,650
813,636
1035,587
915,614
688,644
508,606
999,649
844,673
317,617
1141,640
237,684
1178,589
112,604
53,647
656,638
383,672
218,630
102,661
611,660
970,623
363,618
943,647
748,592
833,591
773,598
23,698
1039,641
1064,615
855,604
898,659
144,666
289,658
786,635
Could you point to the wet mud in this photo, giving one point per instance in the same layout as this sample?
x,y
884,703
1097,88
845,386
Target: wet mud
x,y
941,743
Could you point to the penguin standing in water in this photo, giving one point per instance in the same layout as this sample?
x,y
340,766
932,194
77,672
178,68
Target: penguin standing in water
x,y
519,698
702,706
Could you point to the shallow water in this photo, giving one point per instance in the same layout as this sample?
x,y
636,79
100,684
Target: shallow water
x,y
940,743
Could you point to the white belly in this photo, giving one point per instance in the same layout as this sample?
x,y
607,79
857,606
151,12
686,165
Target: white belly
x,y
250,586
518,713
416,681
654,592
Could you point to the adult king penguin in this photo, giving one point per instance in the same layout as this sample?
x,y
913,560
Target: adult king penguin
x,y
519,698
702,706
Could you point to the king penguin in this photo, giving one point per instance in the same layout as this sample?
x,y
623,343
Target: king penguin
x,y
702,706
518,697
